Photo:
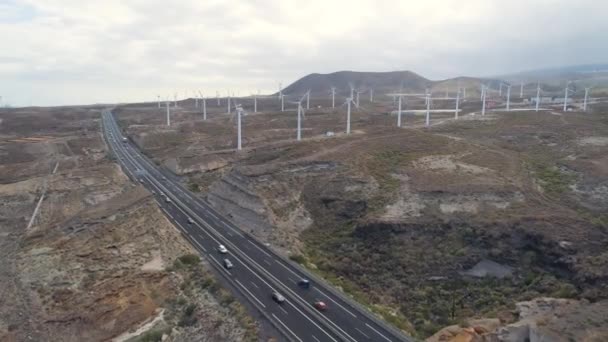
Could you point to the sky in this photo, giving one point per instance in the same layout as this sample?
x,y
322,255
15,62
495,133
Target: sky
x,y
57,52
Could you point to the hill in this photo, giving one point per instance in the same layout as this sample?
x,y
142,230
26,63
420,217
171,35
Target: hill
x,y
381,82
320,84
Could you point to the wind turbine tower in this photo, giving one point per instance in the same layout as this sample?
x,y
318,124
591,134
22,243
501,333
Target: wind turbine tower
x,y
399,113
333,97
238,113
508,97
175,100
308,99
566,96
204,105
521,90
157,97
537,96
348,102
428,110
484,90
168,114
371,95
217,95
457,105
586,95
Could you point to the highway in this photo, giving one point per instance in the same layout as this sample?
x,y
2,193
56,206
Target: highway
x,y
257,271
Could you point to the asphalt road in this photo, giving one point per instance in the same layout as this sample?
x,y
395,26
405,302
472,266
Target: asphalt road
x,y
257,271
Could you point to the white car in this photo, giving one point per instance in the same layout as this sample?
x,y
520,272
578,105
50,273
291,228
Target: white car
x,y
277,297
190,220
222,249
228,264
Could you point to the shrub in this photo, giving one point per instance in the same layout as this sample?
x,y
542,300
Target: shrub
x,y
299,258
189,259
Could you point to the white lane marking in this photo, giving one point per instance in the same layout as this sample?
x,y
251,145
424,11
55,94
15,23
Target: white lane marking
x,y
251,294
284,326
196,242
315,337
289,269
377,332
291,280
328,297
362,333
228,233
311,321
252,283
250,260
220,265
261,250
285,311
267,262
210,213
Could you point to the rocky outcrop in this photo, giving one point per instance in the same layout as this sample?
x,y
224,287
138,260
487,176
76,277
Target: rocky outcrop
x,y
538,320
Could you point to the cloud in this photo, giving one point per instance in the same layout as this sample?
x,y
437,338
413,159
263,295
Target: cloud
x,y
77,51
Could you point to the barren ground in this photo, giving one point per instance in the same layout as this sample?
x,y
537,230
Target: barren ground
x,y
397,216
100,260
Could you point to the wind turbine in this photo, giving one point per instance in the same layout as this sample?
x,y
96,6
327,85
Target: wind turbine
x,y
175,100
537,95
348,102
358,93
157,98
521,90
428,110
217,95
168,114
457,104
280,90
308,99
282,103
333,97
566,95
508,97
300,114
371,94
399,112
229,109
484,90
586,95
239,111
204,105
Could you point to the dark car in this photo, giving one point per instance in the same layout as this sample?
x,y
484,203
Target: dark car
x,y
304,283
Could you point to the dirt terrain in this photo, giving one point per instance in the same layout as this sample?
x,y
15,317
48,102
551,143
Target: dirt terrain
x,y
100,262
426,226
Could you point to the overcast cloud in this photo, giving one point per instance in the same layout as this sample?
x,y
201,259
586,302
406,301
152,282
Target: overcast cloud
x,y
77,51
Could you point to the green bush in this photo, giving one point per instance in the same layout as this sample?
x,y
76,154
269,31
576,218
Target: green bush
x,y
299,258
189,259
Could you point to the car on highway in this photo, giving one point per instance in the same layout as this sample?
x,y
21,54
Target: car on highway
x,y
222,249
167,199
304,283
190,220
228,264
321,306
277,297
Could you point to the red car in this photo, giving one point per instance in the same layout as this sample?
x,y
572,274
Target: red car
x,y
321,306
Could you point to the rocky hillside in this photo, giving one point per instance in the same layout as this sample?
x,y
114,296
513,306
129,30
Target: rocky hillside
x,y
427,226
100,262
320,84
